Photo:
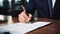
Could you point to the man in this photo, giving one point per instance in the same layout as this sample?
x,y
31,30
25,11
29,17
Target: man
x,y
43,8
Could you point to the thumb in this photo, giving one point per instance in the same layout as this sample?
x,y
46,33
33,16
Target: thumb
x,y
30,16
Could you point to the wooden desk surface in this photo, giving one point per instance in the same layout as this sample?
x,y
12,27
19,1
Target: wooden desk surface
x,y
53,28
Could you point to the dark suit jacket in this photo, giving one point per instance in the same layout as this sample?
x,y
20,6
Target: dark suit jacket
x,y
43,9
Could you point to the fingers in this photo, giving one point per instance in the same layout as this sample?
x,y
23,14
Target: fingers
x,y
21,17
30,16
24,18
25,15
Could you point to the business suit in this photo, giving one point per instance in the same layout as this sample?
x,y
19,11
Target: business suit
x,y
43,8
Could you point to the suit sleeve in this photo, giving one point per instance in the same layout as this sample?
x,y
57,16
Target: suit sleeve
x,y
30,6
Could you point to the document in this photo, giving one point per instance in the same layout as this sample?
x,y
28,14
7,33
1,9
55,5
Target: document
x,y
22,28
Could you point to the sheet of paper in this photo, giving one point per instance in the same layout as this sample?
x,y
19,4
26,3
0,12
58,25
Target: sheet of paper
x,y
22,28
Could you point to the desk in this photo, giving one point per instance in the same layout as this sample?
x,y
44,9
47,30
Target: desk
x,y
53,28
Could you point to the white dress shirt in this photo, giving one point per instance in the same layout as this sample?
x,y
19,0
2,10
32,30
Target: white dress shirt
x,y
53,3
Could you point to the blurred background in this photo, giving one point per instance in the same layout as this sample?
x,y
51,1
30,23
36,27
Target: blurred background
x,y
11,7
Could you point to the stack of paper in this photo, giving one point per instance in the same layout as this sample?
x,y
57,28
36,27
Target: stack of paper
x,y
22,28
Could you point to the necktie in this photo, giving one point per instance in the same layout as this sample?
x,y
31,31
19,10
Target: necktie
x,y
50,8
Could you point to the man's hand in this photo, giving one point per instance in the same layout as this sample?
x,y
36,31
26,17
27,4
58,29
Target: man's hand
x,y
23,17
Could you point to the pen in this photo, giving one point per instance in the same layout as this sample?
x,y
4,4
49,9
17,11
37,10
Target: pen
x,y
28,12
